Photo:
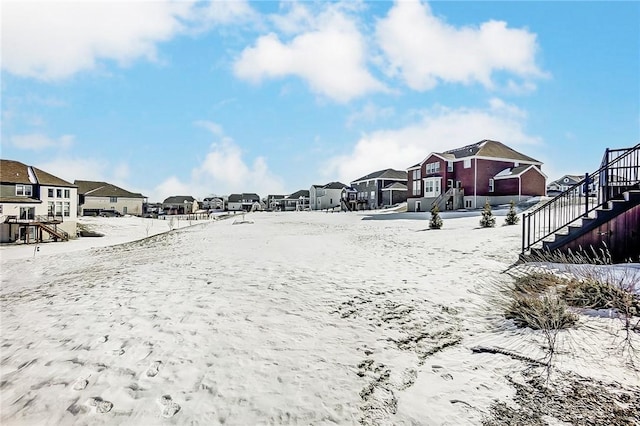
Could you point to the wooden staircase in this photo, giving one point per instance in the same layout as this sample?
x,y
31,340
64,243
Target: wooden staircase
x,y
57,234
604,224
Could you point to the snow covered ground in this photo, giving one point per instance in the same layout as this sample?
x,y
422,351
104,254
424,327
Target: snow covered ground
x,y
289,318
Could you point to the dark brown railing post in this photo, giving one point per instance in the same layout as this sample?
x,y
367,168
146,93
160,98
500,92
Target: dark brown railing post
x,y
585,190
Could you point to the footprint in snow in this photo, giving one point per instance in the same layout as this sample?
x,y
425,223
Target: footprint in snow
x,y
169,408
153,369
101,405
80,384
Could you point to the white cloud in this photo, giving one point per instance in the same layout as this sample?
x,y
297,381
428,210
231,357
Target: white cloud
x,y
369,114
436,130
330,55
51,40
39,142
224,170
425,50
72,168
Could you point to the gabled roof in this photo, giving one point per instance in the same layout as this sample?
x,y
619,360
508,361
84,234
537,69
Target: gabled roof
x,y
301,193
514,172
237,198
489,148
179,199
16,172
334,185
103,189
573,178
384,174
485,148
396,186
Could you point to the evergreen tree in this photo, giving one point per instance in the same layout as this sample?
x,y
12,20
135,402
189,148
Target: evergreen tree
x,y
436,220
512,217
487,220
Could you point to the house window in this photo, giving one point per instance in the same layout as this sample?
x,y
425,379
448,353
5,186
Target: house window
x,y
491,185
51,208
24,190
467,163
58,193
67,193
416,174
467,204
432,187
27,213
51,193
58,211
449,166
67,208
113,199
373,195
416,187
449,183
433,167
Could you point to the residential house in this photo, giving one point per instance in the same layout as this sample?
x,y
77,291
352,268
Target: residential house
x,y
469,176
371,188
296,201
35,205
94,197
244,202
567,181
213,203
180,204
326,196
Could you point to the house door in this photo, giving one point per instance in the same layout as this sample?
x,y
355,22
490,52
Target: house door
x,y
417,206
124,210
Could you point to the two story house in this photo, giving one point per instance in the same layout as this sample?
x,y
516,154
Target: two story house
x,y
326,196
180,204
469,176
35,206
382,188
247,201
93,197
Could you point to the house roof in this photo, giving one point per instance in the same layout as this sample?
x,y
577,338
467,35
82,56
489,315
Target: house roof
x,y
573,178
489,148
384,174
396,185
103,189
301,193
16,172
179,199
237,198
516,171
334,185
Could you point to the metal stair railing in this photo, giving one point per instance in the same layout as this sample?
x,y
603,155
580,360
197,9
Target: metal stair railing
x,y
619,171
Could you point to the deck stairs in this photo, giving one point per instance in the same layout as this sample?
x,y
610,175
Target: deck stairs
x,y
593,204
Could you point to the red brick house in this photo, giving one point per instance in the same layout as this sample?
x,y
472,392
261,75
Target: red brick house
x,y
466,177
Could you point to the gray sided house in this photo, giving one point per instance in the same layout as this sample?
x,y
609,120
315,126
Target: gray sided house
x,y
567,181
326,196
296,201
247,201
95,197
180,204
382,188
213,203
35,206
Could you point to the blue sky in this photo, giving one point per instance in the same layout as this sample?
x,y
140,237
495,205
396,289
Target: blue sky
x,y
200,98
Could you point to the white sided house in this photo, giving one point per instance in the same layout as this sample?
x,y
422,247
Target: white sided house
x,y
35,206
326,196
95,197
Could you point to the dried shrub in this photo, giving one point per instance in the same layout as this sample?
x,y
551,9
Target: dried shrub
x,y
547,312
595,294
537,282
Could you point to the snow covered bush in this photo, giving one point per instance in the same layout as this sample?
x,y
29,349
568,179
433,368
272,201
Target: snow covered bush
x,y
436,220
512,217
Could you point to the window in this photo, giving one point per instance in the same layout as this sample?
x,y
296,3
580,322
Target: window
x,y
449,183
416,187
491,185
432,187
27,213
51,208
24,190
51,193
67,208
449,166
113,199
467,163
58,211
373,195
58,193
67,193
433,167
416,174
467,204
